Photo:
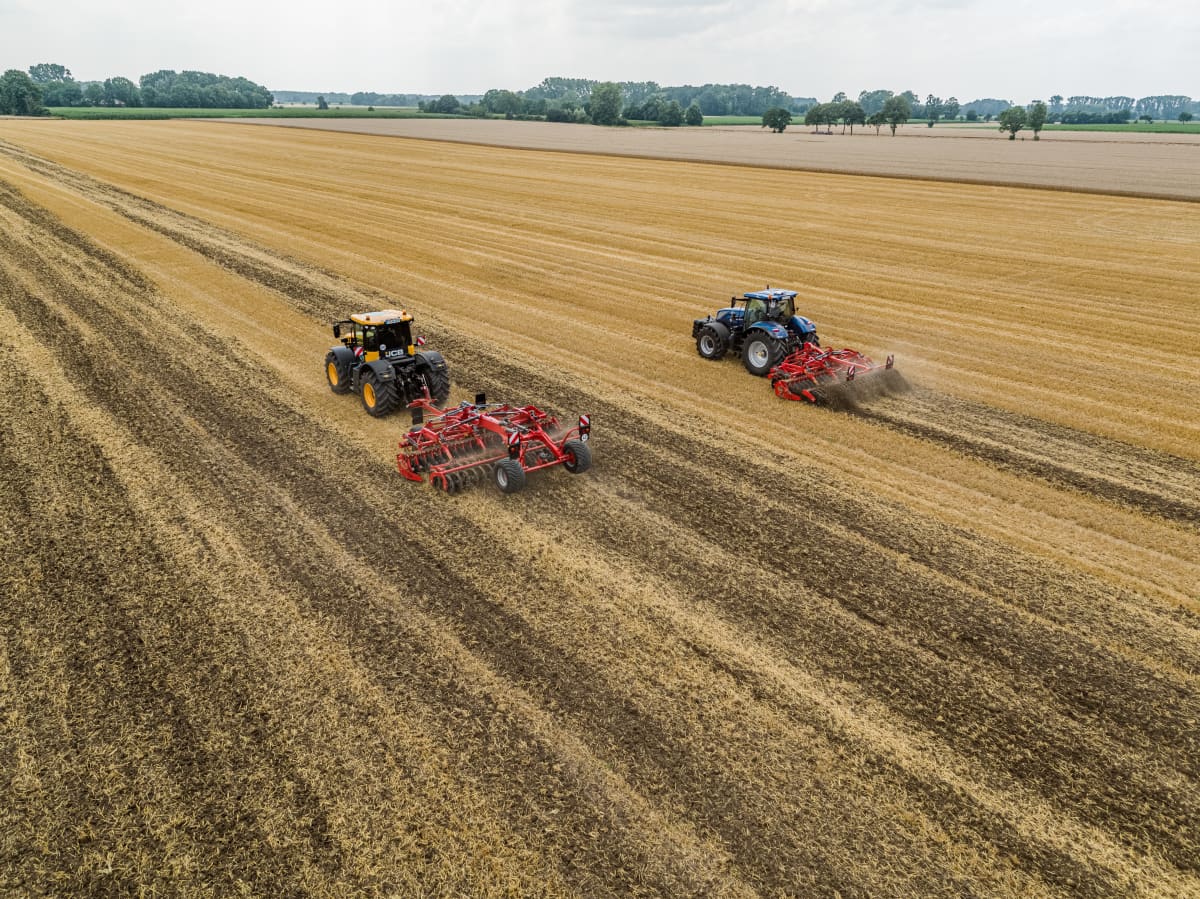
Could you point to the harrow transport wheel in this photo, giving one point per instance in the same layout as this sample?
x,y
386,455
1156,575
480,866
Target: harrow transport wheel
x,y
437,375
337,376
761,354
378,397
510,476
579,456
711,344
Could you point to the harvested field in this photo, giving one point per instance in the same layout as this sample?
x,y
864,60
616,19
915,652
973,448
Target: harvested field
x,y
948,646
1125,164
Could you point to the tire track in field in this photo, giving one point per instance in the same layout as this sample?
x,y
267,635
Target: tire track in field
x,y
639,435
1141,479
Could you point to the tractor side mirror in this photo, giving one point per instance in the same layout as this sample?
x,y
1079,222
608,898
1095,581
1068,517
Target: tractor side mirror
x,y
337,330
481,399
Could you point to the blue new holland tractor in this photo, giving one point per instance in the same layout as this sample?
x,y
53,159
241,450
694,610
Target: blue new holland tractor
x,y
761,325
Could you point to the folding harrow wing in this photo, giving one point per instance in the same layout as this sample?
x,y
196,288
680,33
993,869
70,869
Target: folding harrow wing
x,y
836,378
471,442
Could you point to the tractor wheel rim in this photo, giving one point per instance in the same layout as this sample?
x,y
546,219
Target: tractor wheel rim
x,y
369,395
706,344
501,477
758,354
331,370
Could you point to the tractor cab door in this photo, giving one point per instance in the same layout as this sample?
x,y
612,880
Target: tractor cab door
x,y
756,311
370,343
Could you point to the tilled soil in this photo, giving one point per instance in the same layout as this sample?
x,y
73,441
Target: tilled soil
x,y
240,653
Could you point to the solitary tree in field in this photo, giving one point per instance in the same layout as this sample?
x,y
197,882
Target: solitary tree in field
x,y
1037,118
321,103
896,111
933,109
777,119
1185,117
1012,120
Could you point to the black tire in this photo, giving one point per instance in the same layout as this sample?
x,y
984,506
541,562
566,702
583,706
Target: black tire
x,y
378,397
336,374
510,476
711,344
437,375
579,456
760,353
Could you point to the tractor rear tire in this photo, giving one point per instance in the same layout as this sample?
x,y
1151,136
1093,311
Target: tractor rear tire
x,y
378,397
336,374
510,476
437,375
579,456
711,344
761,353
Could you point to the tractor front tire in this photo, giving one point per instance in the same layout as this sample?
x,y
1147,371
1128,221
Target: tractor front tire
x,y
761,353
336,374
579,456
711,344
378,397
510,476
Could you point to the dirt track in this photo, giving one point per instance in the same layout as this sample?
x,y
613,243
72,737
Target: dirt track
x,y
760,649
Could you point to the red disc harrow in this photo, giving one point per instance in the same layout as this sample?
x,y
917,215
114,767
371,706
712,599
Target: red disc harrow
x,y
464,445
836,378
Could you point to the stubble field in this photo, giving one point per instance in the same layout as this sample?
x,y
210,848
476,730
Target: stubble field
x,y
946,646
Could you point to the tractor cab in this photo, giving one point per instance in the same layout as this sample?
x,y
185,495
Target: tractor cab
x,y
387,334
769,305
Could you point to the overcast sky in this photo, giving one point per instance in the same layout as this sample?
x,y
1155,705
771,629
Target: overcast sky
x,y
1016,50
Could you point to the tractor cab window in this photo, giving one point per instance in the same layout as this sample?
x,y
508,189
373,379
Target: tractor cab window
x,y
395,336
756,311
355,334
370,340
783,309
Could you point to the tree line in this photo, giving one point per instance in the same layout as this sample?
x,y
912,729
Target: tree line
x,y
51,84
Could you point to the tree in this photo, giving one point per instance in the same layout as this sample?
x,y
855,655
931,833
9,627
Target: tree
x,y
1036,118
972,115
777,119
1185,117
855,114
896,111
672,114
872,101
447,104
322,103
121,92
19,95
93,94
694,116
605,105
877,120
46,72
1012,120
950,108
933,109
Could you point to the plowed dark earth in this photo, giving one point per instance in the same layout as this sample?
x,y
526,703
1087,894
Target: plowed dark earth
x,y
937,648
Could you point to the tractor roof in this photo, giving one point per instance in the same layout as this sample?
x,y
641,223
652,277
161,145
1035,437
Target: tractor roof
x,y
771,294
382,317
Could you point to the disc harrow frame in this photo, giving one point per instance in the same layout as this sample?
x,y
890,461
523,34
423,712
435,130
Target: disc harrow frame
x,y
838,378
458,447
